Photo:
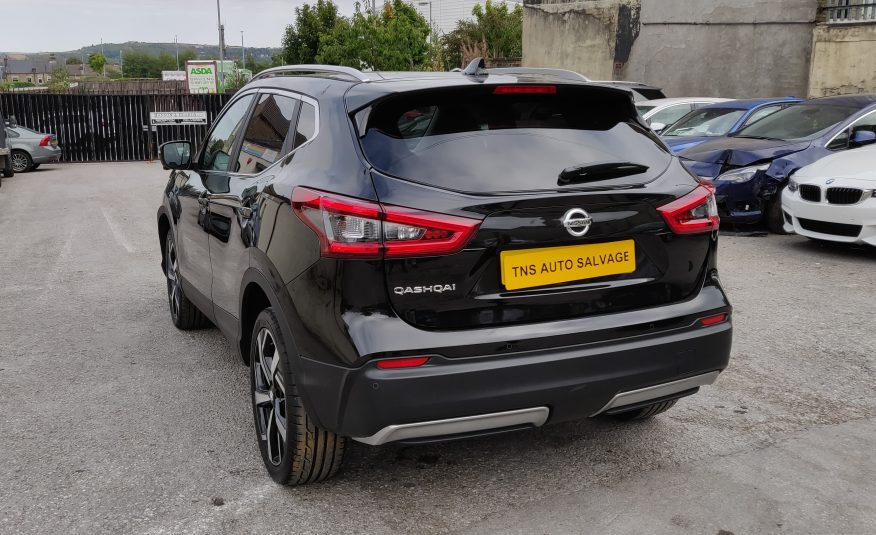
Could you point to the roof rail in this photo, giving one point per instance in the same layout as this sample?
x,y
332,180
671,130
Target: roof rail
x,y
325,70
559,73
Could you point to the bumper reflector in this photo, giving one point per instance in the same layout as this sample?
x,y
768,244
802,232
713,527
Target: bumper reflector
x,y
407,362
713,320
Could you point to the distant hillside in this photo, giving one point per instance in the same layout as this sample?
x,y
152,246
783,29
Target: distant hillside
x,y
111,50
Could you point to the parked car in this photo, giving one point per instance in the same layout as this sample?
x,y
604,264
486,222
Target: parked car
x,y
662,112
5,153
750,167
834,199
30,148
716,120
484,254
641,92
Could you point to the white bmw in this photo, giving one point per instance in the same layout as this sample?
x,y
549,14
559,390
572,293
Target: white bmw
x,y
834,198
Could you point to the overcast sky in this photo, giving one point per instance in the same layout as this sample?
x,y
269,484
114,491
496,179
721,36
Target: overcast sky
x,y
60,25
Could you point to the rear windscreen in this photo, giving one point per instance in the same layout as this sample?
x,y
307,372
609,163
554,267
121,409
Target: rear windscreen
x,y
485,139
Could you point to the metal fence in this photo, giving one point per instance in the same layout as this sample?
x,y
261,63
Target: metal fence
x,y
108,128
850,11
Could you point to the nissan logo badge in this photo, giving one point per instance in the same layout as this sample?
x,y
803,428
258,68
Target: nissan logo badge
x,y
577,222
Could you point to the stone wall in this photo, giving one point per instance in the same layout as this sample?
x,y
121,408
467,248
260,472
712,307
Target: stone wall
x,y
843,59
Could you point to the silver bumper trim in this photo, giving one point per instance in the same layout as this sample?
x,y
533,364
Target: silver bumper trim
x,y
535,416
658,391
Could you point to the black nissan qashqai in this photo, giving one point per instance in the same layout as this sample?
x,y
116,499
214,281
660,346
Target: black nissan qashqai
x,y
415,257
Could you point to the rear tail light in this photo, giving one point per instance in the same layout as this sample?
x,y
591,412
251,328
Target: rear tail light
x,y
694,213
525,90
44,142
406,362
354,228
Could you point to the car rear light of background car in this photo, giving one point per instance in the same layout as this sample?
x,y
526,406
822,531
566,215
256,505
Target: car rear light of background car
x,y
44,142
525,90
694,213
713,320
406,362
355,228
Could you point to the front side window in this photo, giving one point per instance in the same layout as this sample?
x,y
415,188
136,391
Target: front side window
x,y
709,122
266,133
217,150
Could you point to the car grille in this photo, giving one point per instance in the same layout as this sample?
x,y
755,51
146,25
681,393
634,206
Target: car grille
x,y
844,195
810,193
836,229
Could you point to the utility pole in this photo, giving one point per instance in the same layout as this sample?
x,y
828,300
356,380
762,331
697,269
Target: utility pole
x,y
221,46
104,57
122,62
431,27
176,42
242,51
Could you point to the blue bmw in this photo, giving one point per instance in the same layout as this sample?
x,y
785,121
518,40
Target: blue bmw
x,y
751,167
716,120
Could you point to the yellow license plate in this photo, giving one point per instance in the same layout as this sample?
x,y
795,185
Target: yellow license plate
x,y
528,268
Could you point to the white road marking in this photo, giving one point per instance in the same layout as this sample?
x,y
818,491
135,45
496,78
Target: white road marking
x,y
117,233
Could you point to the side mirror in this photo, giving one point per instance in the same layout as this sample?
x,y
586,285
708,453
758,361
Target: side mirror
x,y
658,127
175,154
863,137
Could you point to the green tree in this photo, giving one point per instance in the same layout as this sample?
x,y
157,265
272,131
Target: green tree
x,y
73,60
495,32
186,55
302,38
96,61
60,80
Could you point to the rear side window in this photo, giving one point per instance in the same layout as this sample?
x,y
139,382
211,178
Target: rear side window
x,y
477,140
306,128
266,133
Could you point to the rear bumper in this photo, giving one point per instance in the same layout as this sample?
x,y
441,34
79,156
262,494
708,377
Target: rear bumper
x,y
46,155
571,382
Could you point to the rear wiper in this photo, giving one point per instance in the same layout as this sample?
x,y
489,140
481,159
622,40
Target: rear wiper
x,y
598,171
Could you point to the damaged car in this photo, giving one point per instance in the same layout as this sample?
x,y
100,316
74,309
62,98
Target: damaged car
x,y
751,167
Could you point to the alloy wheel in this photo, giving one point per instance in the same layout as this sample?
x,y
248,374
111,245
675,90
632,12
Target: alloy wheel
x,y
174,291
19,162
269,397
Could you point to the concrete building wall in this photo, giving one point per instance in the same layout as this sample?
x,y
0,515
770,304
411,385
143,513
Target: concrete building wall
x,y
725,48
843,60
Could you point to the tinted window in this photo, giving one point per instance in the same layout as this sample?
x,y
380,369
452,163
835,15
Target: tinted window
x,y
217,150
706,122
266,133
306,128
670,114
803,121
473,140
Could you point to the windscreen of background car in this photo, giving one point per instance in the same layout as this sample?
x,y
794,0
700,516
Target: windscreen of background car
x,y
803,122
706,122
472,140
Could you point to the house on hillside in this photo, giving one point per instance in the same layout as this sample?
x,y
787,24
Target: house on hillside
x,y
39,72
722,48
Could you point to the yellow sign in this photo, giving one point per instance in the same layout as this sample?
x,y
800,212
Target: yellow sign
x,y
552,265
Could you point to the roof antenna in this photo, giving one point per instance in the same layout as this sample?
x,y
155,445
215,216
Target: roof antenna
x,y
475,68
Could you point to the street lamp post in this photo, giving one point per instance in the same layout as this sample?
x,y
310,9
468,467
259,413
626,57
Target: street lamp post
x,y
431,28
242,51
221,46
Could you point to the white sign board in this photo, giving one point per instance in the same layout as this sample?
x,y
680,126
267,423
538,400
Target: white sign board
x,y
173,118
173,75
201,76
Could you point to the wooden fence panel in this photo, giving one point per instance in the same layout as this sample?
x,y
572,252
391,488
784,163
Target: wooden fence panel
x,y
109,127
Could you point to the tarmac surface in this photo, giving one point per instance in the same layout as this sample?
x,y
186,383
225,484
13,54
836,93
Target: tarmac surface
x,y
113,421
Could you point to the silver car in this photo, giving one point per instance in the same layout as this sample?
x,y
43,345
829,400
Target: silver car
x,y
31,148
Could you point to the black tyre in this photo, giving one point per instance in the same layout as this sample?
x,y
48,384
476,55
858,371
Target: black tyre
x,y
294,450
184,313
21,161
775,219
645,412
6,167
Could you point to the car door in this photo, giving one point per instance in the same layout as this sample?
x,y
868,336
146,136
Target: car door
x,y
191,187
264,142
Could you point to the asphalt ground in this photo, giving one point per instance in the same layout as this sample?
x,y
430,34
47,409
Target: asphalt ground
x,y
112,421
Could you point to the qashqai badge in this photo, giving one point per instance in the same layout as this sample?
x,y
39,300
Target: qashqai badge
x,y
577,222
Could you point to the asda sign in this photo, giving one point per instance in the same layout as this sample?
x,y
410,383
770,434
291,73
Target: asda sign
x,y
201,76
